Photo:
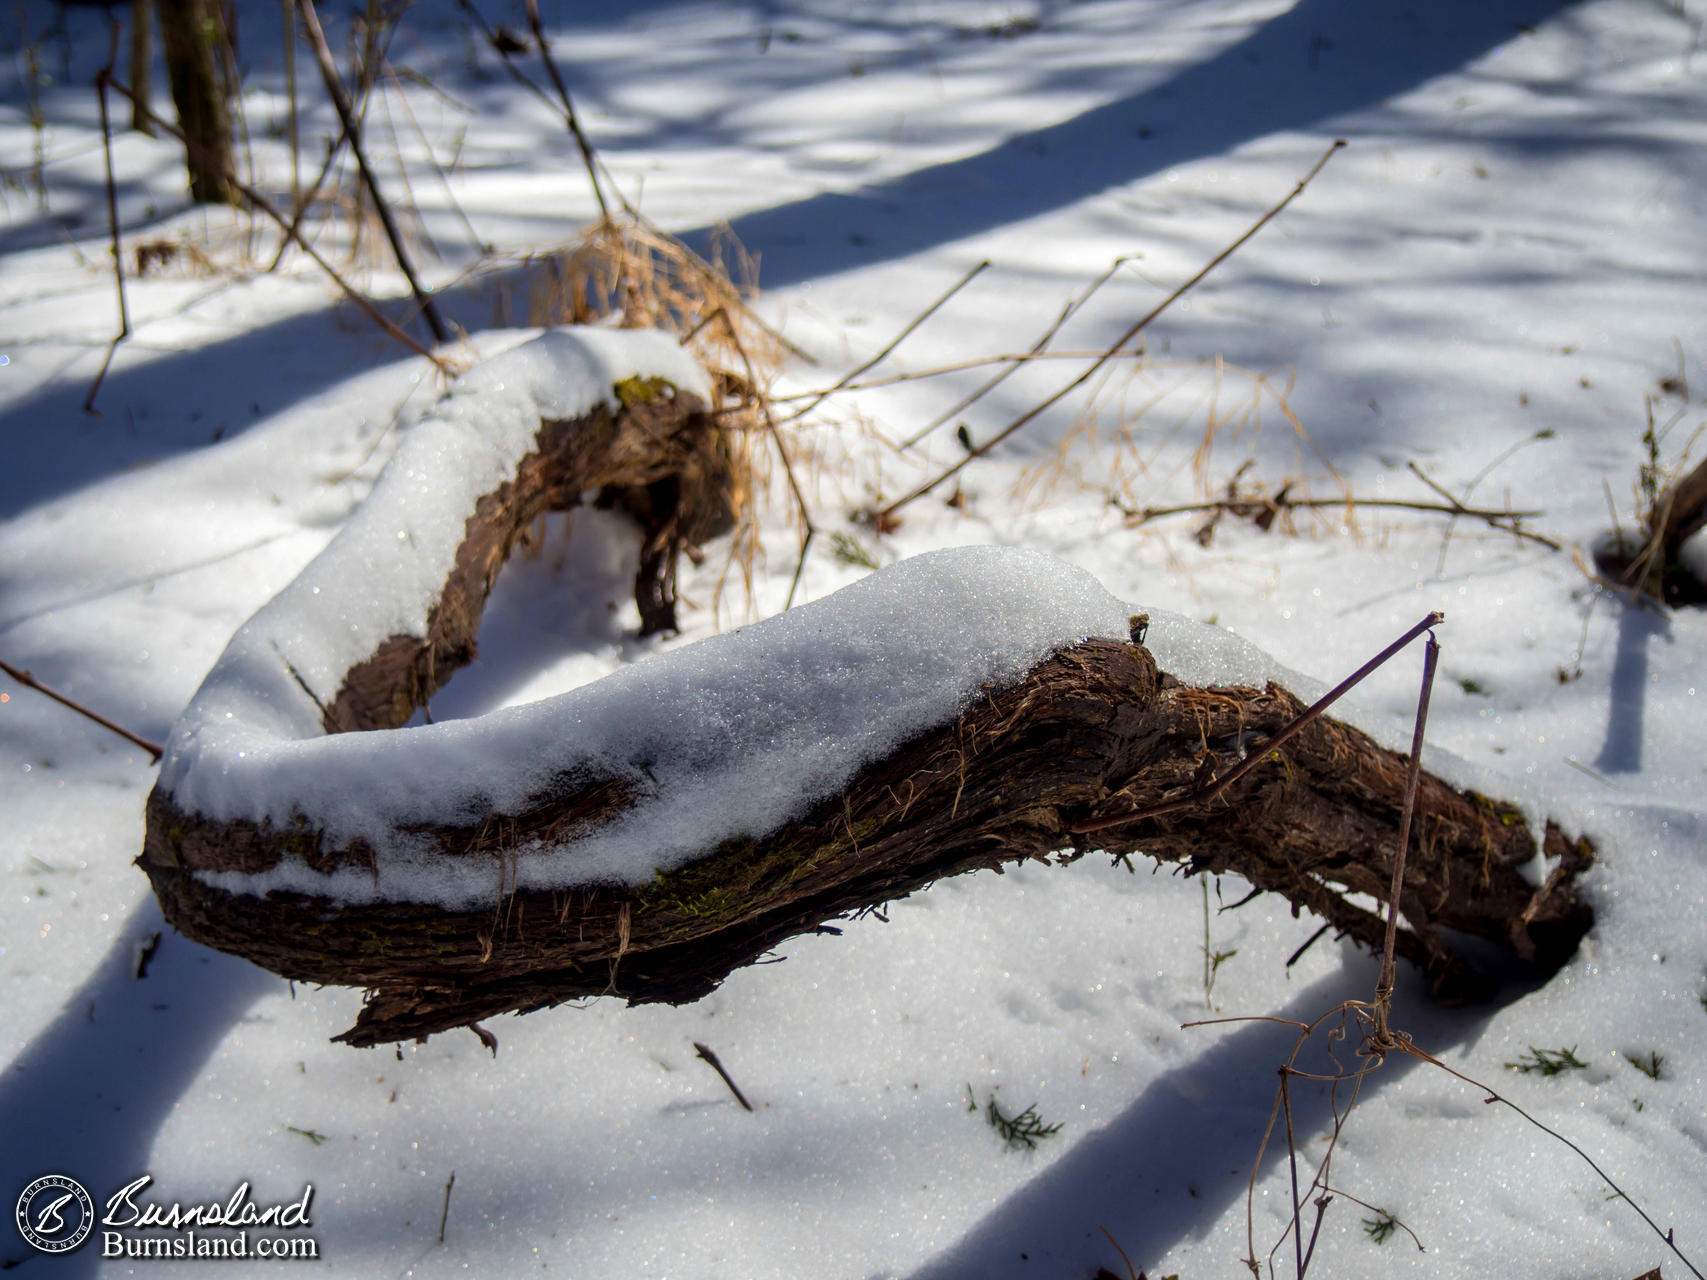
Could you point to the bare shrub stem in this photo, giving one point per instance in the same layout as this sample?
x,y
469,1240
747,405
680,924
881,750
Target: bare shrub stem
x,y
352,131
104,78
899,338
267,207
569,116
1038,350
1389,972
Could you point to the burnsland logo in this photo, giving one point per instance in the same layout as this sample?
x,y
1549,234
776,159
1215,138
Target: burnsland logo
x,y
126,1215
56,1215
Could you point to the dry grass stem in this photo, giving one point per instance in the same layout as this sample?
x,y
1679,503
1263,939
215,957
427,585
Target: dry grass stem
x,y
1038,350
847,381
887,514
627,268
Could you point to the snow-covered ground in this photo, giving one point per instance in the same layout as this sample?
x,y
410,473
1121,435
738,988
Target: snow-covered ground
x,y
1499,280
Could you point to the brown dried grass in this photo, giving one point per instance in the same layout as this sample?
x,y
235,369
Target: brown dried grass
x,y
1124,435
627,269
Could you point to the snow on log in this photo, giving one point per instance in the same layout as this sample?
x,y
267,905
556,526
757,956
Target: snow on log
x,y
644,835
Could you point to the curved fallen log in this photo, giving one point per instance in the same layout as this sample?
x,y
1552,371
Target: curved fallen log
x,y
647,834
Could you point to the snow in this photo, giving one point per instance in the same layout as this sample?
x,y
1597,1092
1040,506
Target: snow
x,y
1509,256
385,568
730,737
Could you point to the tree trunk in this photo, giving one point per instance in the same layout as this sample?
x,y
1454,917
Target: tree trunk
x,y
1095,729
141,63
191,32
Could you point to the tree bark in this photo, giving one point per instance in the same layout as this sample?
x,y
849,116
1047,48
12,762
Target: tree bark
x,y
1095,729
190,33
1656,567
141,62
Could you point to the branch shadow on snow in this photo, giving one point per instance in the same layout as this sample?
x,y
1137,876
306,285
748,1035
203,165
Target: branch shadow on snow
x,y
1166,1170
89,1093
1638,627
165,404
1319,60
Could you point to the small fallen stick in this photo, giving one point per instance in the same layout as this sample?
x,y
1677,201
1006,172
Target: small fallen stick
x,y
710,1056
1503,519
23,677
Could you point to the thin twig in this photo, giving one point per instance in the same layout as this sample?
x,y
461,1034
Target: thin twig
x,y
23,677
1389,971
483,246
938,371
1292,1164
1131,1273
1458,508
352,130
884,516
1252,507
710,1056
1324,1169
103,78
1254,758
505,51
569,116
411,203
1385,1213
292,128
444,1213
898,339
1495,1096
266,206
1305,1031
1037,350
1499,460
301,202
